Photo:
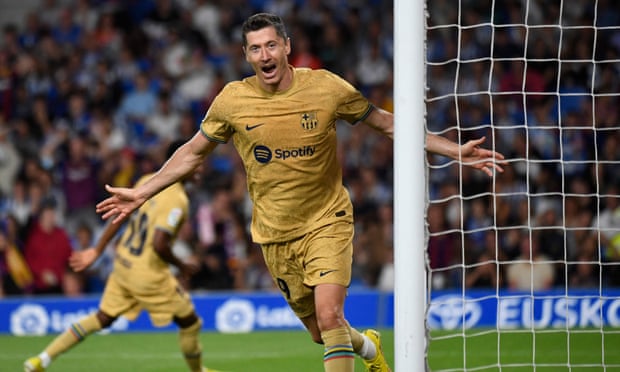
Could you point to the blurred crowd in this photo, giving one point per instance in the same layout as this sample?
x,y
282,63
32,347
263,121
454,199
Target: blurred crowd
x,y
552,97
93,91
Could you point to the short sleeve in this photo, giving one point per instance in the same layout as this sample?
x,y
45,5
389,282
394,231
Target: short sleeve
x,y
353,106
215,125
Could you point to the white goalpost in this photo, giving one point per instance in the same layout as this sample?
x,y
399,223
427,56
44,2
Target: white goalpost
x,y
523,268
409,191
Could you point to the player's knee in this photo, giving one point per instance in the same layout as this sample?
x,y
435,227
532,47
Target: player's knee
x,y
104,319
189,338
187,321
329,319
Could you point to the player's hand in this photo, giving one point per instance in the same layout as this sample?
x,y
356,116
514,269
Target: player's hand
x,y
485,160
80,260
122,203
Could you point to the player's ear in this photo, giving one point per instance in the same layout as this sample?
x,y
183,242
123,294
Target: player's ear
x,y
245,54
287,46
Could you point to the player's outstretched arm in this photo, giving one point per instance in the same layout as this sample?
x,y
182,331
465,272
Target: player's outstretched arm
x,y
124,201
382,121
470,153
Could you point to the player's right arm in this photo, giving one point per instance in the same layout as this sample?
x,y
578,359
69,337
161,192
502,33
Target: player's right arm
x,y
80,260
124,201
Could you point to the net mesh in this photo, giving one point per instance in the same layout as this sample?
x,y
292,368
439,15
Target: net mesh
x,y
524,267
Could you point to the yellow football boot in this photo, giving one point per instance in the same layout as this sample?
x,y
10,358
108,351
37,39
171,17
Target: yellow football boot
x,y
378,363
33,365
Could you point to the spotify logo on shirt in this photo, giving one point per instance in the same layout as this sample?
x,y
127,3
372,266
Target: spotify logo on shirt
x,y
263,154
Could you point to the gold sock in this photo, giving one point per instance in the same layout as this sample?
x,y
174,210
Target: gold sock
x,y
361,345
72,336
357,339
190,345
339,355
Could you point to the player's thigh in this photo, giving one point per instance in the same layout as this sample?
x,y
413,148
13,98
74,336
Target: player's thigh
x,y
321,256
168,302
328,255
286,267
118,300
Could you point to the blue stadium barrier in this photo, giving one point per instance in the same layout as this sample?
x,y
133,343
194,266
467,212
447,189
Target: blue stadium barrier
x,y
234,312
221,311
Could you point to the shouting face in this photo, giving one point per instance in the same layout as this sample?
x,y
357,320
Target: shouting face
x,y
268,52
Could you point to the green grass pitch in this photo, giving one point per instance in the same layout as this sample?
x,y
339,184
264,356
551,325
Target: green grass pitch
x,y
136,352
294,351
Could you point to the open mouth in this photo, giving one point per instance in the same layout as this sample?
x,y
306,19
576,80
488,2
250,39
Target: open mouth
x,y
268,69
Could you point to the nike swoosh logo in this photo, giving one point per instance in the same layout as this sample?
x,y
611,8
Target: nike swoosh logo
x,y
249,127
323,273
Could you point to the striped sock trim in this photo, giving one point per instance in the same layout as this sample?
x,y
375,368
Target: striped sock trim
x,y
78,332
193,355
338,351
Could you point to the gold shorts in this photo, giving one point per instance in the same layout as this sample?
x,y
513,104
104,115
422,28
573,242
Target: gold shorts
x,y
164,301
323,256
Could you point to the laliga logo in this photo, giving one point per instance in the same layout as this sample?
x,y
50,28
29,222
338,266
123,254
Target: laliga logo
x,y
451,311
29,319
235,316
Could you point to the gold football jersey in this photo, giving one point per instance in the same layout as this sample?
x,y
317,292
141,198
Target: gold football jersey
x,y
165,211
287,141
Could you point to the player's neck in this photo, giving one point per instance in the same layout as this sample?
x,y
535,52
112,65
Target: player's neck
x,y
283,85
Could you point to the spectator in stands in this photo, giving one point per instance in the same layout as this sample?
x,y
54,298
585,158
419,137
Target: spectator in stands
x,y
47,250
372,68
79,116
213,272
487,270
608,224
15,274
532,270
585,273
477,223
443,248
80,179
336,53
31,32
49,11
17,204
164,122
65,31
10,160
302,55
135,108
108,37
161,19
551,236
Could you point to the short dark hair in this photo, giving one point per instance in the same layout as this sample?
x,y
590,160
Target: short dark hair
x,y
259,21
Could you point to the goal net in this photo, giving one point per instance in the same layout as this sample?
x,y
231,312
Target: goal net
x,y
524,267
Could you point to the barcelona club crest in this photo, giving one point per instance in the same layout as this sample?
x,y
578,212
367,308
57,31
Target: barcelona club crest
x,y
309,120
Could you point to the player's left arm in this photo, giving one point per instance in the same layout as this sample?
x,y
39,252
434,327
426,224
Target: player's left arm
x,y
470,153
382,121
162,244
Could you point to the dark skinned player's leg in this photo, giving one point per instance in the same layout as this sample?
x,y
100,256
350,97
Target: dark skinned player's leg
x,y
189,331
77,332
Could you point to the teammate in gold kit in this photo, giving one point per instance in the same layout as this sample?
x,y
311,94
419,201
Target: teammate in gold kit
x,y
141,279
282,121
